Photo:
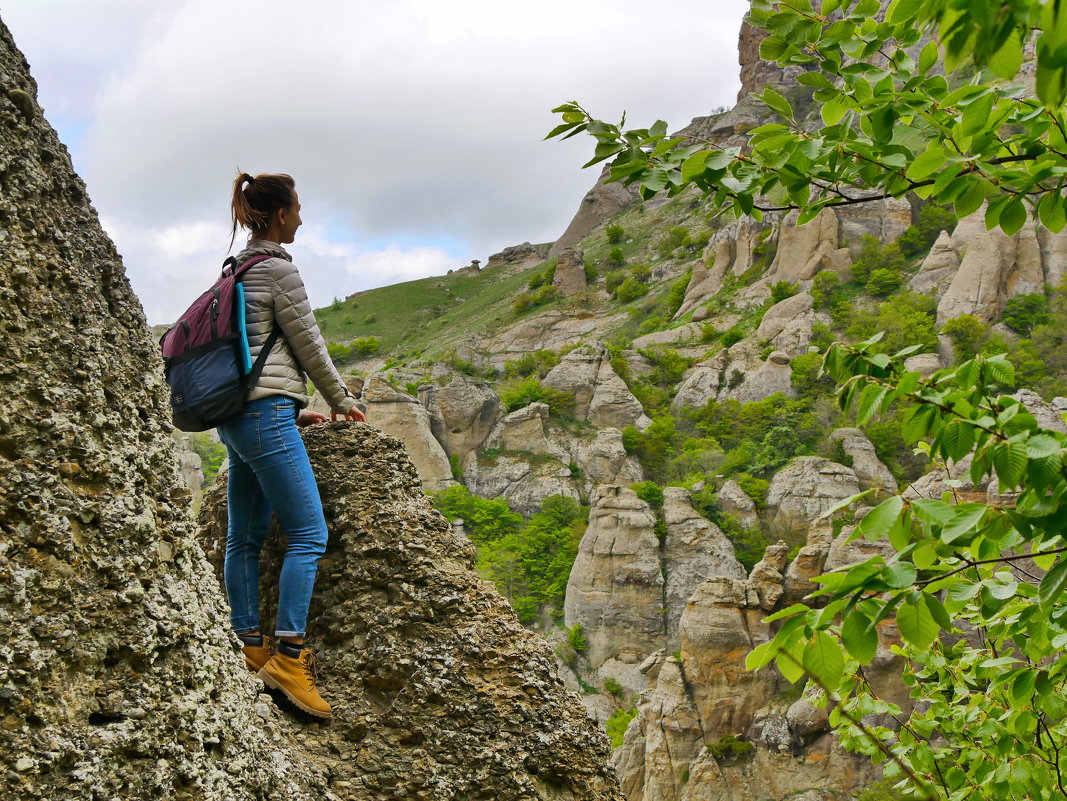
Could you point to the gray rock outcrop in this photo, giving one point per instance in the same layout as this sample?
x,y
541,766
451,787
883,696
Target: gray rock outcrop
x,y
462,414
403,417
808,487
569,277
120,677
439,691
615,589
694,550
865,462
787,325
733,500
804,250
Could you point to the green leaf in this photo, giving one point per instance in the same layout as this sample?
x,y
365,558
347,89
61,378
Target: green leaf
x,y
899,575
1012,217
917,624
902,11
1052,584
834,109
1009,58
877,522
971,200
929,162
761,655
777,103
1009,460
870,402
860,637
965,520
790,660
823,659
929,56
937,611
956,440
1022,688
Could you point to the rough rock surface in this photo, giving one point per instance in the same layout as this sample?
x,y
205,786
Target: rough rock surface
x,y
787,325
403,417
569,277
600,396
615,589
119,677
733,500
518,257
599,204
804,250
694,550
438,690
865,462
462,413
809,486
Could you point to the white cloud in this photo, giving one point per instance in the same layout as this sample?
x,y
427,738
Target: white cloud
x,y
413,122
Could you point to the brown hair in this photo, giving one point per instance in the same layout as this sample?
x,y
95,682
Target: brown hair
x,y
256,199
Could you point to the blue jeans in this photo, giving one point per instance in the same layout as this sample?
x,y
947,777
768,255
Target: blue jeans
x,y
269,470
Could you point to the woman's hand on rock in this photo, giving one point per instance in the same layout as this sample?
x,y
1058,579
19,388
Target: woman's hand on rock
x,y
352,414
308,417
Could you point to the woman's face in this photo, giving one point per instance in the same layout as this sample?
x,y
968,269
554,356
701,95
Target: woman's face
x,y
290,221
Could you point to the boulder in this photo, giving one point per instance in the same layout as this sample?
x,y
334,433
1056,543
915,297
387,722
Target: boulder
x,y
804,250
694,550
733,500
926,364
787,325
462,413
773,376
768,575
439,690
721,623
612,404
615,588
576,374
808,487
938,268
600,204
701,384
978,287
605,461
524,481
865,462
522,430
403,417
517,258
570,272
662,741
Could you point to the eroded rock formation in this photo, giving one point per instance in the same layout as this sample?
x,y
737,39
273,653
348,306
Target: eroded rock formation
x,y
438,690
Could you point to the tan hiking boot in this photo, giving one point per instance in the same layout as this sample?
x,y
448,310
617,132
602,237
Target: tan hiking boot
x,y
256,656
296,678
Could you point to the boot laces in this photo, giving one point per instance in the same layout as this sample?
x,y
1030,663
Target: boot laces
x,y
309,666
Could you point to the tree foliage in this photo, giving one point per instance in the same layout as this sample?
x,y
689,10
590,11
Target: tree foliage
x,y
890,122
976,591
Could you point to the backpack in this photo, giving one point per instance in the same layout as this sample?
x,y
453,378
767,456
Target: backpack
x,y
205,354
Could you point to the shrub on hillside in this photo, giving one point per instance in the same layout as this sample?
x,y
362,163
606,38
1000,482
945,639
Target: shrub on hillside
x,y
873,256
968,335
908,319
824,288
615,257
731,336
486,519
672,240
537,361
677,295
1024,313
338,351
630,289
366,346
616,725
615,233
882,282
613,280
780,290
805,376
919,238
531,390
649,492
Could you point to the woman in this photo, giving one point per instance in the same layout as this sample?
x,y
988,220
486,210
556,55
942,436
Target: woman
x,y
269,467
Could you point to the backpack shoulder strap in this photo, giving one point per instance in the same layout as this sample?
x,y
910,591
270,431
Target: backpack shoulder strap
x,y
239,271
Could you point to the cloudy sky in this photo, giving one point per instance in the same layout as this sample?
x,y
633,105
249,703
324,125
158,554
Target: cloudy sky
x,y
413,127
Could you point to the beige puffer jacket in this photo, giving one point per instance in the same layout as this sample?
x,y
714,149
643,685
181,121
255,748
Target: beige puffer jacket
x,y
275,295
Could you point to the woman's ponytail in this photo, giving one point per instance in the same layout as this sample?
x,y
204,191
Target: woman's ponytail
x,y
255,199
